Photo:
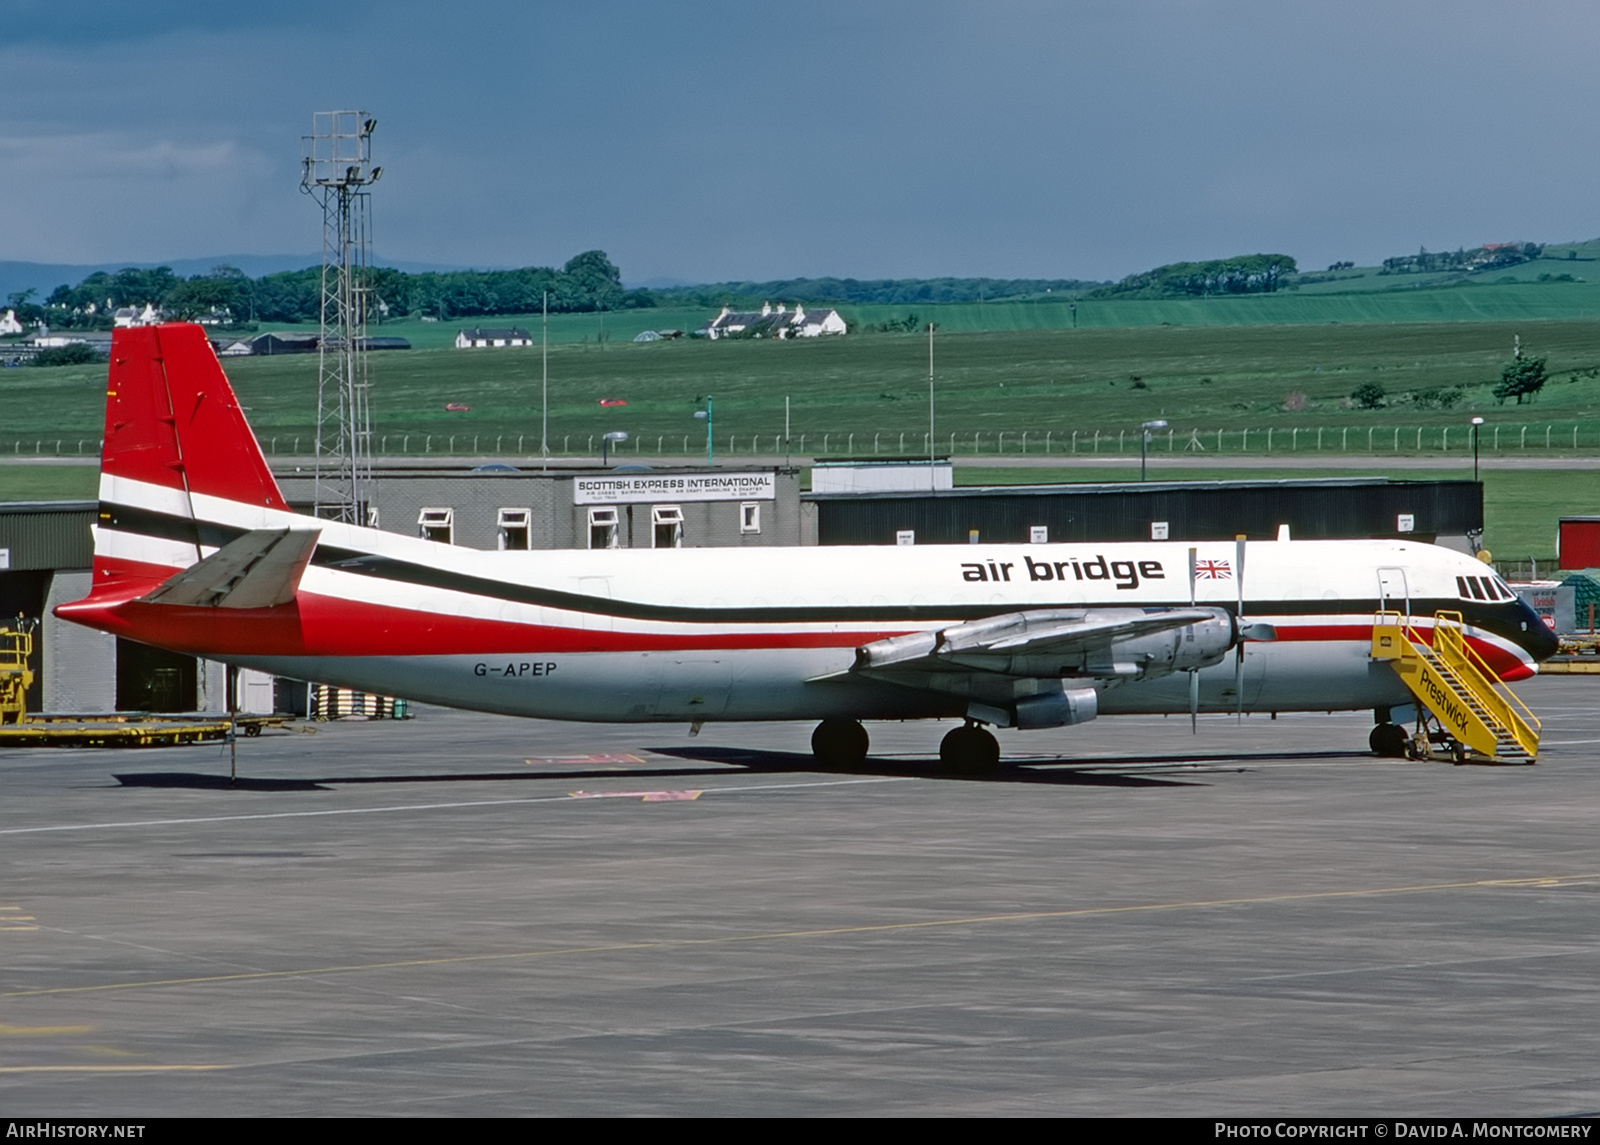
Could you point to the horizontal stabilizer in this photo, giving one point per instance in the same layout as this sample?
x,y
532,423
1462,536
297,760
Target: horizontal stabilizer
x,y
258,570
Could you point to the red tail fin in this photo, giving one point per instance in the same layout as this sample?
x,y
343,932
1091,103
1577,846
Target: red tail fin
x,y
172,419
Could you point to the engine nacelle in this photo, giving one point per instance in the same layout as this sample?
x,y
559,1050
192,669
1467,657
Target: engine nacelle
x,y
1189,647
1058,709
1185,649
1053,709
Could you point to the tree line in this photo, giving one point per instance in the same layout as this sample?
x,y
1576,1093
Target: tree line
x,y
1242,274
884,291
587,282
1493,257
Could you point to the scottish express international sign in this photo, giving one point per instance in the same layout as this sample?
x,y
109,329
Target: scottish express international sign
x,y
632,487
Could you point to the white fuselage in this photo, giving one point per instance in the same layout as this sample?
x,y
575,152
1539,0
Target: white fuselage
x,y
756,634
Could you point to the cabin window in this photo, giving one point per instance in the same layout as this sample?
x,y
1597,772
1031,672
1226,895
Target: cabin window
x,y
602,528
750,517
437,525
1476,584
666,526
515,529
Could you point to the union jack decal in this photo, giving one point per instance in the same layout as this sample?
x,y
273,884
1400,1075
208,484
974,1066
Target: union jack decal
x,y
1212,570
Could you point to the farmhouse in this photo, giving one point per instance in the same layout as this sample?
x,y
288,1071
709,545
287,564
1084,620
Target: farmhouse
x,y
774,323
9,323
134,316
481,336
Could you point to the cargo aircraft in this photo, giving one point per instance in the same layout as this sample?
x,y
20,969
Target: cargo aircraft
x,y
196,551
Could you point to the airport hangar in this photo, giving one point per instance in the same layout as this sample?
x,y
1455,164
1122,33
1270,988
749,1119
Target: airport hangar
x,y
46,549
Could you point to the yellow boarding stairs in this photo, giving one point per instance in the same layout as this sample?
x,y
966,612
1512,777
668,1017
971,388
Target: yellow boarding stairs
x,y
16,648
1470,701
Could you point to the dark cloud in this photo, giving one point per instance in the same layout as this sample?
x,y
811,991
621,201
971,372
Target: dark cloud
x,y
719,141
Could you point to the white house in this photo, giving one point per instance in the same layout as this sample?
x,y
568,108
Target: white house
x,y
816,323
482,336
9,324
133,316
774,323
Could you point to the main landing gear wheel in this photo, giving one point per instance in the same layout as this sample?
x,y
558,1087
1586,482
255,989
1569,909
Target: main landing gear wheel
x,y
839,743
969,748
1389,741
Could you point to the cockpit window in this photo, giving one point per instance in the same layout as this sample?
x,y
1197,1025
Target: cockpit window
x,y
1483,588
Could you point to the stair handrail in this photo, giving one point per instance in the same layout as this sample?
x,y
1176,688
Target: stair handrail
x,y
1450,621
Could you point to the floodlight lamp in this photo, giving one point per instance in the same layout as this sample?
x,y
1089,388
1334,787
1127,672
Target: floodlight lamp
x,y
369,126
377,173
1477,421
1154,425
617,435
701,414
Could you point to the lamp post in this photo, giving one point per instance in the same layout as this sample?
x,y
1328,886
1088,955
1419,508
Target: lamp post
x,y
1476,422
711,433
1144,440
618,436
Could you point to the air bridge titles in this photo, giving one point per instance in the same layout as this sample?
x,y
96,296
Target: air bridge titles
x,y
1123,574
625,488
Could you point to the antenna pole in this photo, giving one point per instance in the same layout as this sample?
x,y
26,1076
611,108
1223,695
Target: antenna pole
x,y
932,482
336,170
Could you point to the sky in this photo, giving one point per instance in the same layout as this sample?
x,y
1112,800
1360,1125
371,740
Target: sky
x,y
702,141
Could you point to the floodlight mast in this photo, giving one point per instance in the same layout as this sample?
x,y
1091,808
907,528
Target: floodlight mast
x,y
336,169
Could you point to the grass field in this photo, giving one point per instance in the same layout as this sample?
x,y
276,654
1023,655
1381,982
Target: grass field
x,y
1200,379
48,482
1360,295
1514,296
1266,373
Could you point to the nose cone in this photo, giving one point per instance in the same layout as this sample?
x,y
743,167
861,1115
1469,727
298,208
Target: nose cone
x,y
1535,635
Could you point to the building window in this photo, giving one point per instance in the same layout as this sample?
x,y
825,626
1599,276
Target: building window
x,y
666,526
750,517
515,529
437,525
602,528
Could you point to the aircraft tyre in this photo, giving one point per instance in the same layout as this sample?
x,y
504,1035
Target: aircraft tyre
x,y
1389,741
839,743
969,748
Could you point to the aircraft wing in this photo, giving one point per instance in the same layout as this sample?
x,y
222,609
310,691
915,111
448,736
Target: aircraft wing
x,y
258,570
1109,644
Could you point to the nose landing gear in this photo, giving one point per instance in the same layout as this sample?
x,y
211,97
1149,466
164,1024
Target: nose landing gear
x,y
1389,741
